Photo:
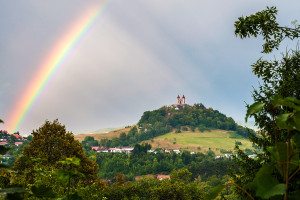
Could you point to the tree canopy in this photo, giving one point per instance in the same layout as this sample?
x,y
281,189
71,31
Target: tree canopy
x,y
275,172
51,143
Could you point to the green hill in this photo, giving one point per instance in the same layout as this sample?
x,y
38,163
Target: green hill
x,y
195,118
184,117
219,141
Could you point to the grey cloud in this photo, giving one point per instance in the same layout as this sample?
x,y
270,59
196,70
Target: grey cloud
x,y
138,56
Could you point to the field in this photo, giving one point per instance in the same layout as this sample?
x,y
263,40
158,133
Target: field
x,y
101,135
215,140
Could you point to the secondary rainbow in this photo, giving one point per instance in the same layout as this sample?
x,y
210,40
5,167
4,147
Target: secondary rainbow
x,y
51,63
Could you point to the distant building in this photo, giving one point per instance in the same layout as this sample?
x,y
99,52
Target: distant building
x,y
180,102
17,136
96,148
167,151
112,150
18,143
121,150
3,143
177,151
127,149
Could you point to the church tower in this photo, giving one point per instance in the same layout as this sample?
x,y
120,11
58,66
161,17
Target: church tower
x,y
180,101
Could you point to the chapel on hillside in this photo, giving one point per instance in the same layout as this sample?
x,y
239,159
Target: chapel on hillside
x,y
180,102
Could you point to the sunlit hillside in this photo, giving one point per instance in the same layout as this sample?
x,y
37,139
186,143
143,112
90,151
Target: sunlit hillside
x,y
219,141
103,135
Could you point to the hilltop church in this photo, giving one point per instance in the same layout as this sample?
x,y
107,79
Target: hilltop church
x,y
180,102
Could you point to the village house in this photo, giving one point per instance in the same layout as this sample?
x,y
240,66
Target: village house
x,y
177,151
3,143
18,143
99,149
17,136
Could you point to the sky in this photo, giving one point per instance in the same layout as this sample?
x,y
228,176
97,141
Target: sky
x,y
138,55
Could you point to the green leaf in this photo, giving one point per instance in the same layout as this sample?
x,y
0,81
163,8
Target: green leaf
x,y
293,99
70,161
278,189
215,192
279,156
296,119
296,140
282,121
62,175
278,152
266,185
41,191
254,108
290,102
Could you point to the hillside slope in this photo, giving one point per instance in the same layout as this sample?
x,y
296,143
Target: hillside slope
x,y
219,141
106,135
195,116
174,118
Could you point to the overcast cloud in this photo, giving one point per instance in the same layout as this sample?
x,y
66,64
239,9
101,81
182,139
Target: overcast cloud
x,y
139,55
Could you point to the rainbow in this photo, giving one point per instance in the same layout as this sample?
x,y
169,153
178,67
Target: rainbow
x,y
49,66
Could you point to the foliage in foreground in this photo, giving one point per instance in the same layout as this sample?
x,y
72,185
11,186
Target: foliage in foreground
x,y
53,166
53,157
276,172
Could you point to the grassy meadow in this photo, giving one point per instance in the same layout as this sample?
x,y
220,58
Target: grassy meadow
x,y
199,141
103,135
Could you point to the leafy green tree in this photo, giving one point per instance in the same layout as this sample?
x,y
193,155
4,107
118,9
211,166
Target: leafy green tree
x,y
51,143
88,142
29,138
89,139
275,172
141,149
181,175
68,175
264,23
123,139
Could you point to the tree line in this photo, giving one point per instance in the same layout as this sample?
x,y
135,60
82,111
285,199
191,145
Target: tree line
x,y
137,164
54,165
